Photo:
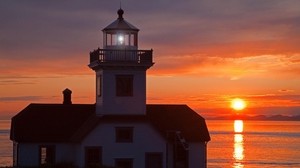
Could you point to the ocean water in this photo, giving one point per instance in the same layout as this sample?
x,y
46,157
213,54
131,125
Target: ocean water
x,y
254,144
234,144
5,144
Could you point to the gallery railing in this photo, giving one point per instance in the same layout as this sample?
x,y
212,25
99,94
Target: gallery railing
x,y
112,56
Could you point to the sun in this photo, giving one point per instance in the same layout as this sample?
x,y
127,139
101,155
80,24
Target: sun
x,y
238,104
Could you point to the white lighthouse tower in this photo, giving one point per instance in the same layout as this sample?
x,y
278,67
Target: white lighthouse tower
x,y
120,70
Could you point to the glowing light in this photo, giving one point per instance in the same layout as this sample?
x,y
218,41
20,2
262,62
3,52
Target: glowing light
x,y
238,126
238,104
121,39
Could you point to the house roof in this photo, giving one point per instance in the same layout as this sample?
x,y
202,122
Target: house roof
x,y
72,122
49,122
168,118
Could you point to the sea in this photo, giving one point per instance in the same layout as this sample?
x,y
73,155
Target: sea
x,y
234,144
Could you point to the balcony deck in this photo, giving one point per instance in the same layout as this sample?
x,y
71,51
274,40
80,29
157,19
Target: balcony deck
x,y
121,56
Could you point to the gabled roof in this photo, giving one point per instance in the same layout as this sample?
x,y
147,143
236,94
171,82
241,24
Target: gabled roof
x,y
71,123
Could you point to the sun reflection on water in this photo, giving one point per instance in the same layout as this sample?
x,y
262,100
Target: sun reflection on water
x,y
238,152
238,126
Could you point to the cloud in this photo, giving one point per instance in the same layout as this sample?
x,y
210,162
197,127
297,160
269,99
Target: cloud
x,y
16,82
276,96
44,33
237,44
274,100
51,26
15,79
21,98
260,67
286,90
46,67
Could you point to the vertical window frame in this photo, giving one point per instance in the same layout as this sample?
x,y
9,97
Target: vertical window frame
x,y
52,157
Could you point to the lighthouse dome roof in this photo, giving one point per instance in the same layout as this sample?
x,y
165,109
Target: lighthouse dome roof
x,y
120,24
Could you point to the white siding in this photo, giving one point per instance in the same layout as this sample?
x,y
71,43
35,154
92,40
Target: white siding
x,y
28,154
109,103
197,155
65,153
145,139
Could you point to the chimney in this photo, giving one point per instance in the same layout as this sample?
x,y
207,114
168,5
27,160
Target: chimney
x,y
67,96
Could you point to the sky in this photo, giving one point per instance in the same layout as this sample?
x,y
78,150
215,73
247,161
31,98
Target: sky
x,y
206,52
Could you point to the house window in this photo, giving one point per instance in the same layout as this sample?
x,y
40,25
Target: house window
x,y
123,163
154,160
93,156
124,134
99,85
47,155
124,85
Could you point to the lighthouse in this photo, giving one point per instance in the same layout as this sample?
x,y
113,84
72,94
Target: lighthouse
x,y
120,70
120,129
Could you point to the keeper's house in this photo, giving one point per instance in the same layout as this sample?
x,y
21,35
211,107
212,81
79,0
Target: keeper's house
x,y
120,129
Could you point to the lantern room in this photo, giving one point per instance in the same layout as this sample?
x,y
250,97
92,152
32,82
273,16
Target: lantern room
x,y
120,47
120,34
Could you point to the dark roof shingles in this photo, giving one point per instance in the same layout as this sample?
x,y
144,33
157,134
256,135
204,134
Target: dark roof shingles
x,y
179,118
49,122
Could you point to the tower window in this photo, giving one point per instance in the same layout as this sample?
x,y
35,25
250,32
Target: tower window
x,y
124,85
124,134
99,85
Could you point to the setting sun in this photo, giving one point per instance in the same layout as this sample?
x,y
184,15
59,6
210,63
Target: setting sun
x,y
238,104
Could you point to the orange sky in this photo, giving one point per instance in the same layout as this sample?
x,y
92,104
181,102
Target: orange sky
x,y
205,53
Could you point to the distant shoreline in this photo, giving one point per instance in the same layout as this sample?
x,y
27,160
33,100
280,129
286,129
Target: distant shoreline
x,y
239,117
257,118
